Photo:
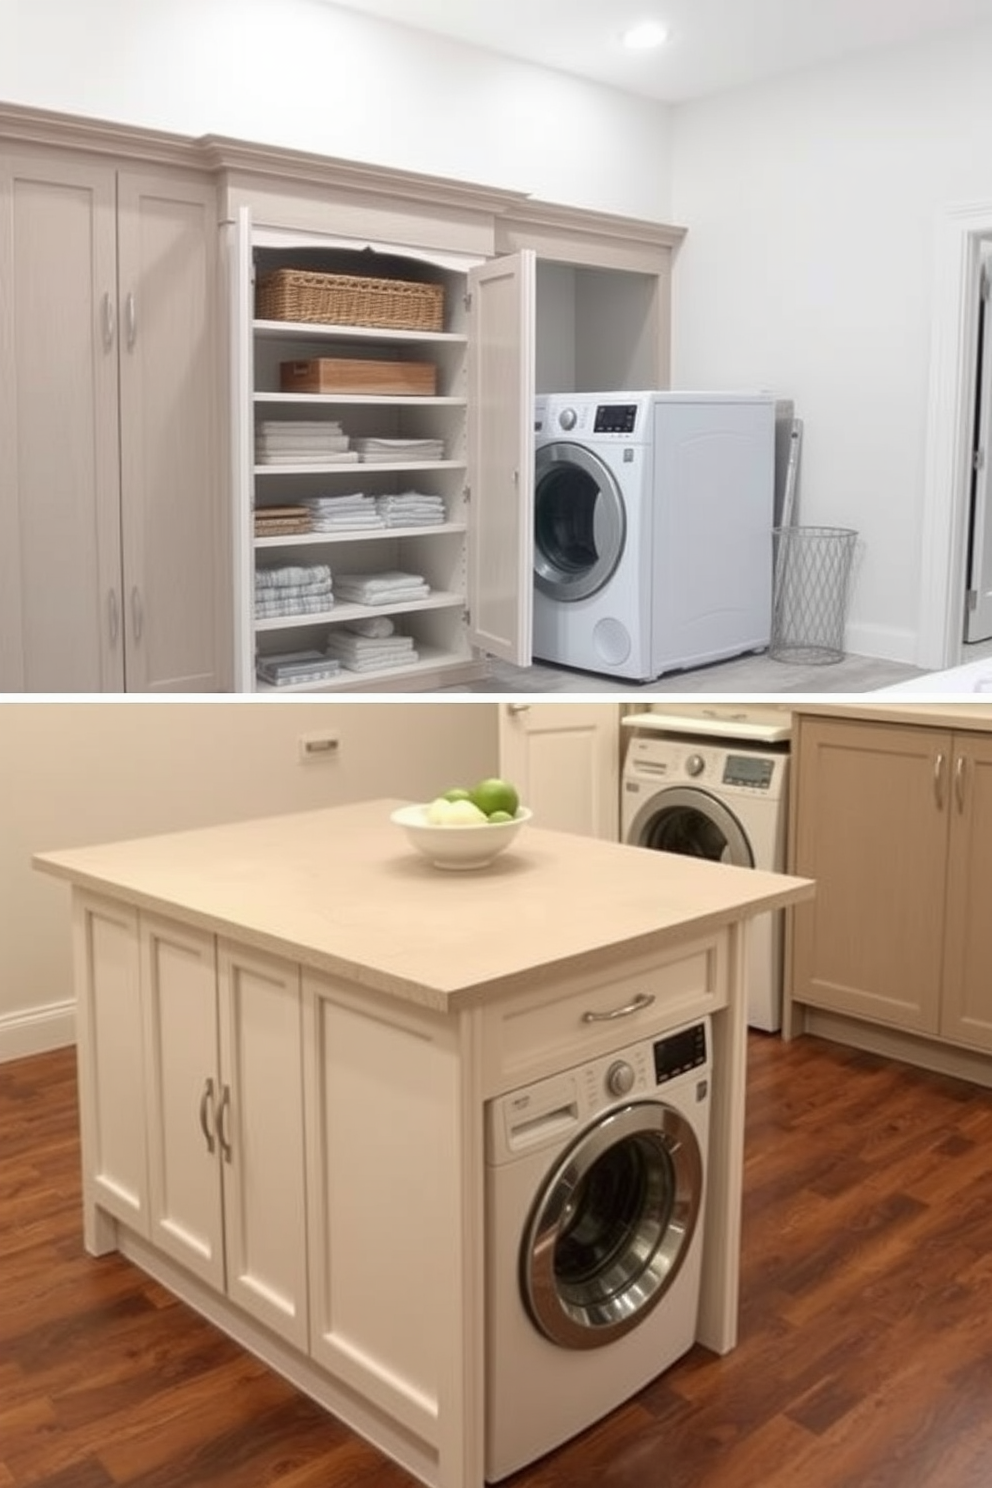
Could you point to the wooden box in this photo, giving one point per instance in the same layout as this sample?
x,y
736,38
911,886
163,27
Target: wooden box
x,y
360,375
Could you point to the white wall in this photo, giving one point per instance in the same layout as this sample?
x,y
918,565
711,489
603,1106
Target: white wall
x,y
307,75
76,773
808,268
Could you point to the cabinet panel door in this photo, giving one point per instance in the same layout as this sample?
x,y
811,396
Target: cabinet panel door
x,y
967,1007
108,978
501,473
184,1093
262,1139
176,595
59,469
564,758
871,829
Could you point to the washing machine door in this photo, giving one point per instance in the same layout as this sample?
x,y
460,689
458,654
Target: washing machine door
x,y
694,823
612,1225
579,522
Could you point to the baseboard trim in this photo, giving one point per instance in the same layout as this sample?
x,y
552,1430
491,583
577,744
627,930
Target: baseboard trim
x,y
37,1030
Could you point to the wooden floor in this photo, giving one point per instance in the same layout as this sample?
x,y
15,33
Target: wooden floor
x,y
865,1358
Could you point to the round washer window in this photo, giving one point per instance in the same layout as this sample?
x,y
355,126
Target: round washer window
x,y
579,522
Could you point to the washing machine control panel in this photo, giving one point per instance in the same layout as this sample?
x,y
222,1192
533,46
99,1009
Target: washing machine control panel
x,y
750,770
678,1053
615,418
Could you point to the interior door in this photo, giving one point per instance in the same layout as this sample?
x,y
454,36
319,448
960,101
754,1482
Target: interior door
x,y
501,459
978,613
564,758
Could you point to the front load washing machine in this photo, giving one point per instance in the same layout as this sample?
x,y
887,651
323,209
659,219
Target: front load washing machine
x,y
595,1198
652,529
726,801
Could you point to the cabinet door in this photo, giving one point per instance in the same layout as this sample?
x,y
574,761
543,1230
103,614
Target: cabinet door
x,y
262,1139
110,1037
871,828
967,1006
60,562
176,570
501,460
184,1096
564,759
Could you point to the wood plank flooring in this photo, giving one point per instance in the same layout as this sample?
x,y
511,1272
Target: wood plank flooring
x,y
865,1358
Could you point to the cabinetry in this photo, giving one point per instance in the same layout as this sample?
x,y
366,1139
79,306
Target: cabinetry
x,y
195,1061
111,571
895,824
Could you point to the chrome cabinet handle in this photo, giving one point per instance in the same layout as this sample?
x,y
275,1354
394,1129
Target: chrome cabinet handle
x,y
222,1110
137,612
206,1104
109,321
960,780
938,781
131,321
641,1001
113,616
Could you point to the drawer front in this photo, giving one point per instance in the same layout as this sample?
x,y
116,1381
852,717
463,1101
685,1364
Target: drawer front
x,y
531,1035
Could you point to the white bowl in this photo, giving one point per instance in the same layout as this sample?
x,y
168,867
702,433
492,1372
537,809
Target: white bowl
x,y
473,845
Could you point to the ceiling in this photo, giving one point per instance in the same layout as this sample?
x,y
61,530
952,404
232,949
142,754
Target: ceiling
x,y
713,45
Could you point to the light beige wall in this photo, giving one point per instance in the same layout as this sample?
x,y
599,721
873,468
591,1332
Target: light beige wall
x,y
83,772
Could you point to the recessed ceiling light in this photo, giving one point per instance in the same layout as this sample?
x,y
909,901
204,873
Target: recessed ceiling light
x,y
644,36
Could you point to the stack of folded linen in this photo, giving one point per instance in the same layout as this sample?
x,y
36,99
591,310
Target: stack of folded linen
x,y
410,509
279,521
292,589
391,587
342,513
360,652
302,442
287,667
390,451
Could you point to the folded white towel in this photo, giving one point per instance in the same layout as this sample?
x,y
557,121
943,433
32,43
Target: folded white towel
x,y
375,582
282,575
377,628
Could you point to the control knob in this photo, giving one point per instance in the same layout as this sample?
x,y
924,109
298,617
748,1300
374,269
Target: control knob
x,y
567,418
695,765
620,1078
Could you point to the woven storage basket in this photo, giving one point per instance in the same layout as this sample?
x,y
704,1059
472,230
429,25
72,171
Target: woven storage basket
x,y
344,299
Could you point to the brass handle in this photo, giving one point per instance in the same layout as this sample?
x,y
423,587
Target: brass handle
x,y
938,780
222,1110
640,1002
206,1102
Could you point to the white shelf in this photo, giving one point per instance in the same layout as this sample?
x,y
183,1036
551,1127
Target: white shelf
x,y
379,400
374,467
281,330
340,613
359,534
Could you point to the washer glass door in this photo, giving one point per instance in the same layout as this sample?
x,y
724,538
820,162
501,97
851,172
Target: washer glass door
x,y
612,1225
579,522
694,823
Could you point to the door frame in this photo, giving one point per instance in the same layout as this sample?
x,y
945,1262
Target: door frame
x,y
961,232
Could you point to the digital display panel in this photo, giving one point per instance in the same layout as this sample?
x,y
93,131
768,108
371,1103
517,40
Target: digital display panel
x,y
615,418
745,769
679,1052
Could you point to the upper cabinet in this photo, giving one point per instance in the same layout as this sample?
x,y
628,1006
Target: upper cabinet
x,y
114,569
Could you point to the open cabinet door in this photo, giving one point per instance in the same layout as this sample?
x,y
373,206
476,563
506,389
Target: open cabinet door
x,y
236,238
501,459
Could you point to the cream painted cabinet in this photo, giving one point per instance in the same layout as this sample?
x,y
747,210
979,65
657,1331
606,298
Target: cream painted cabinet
x,y
112,570
894,822
564,759
225,1120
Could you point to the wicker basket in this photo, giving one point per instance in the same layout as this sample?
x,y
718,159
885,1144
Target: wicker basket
x,y
343,299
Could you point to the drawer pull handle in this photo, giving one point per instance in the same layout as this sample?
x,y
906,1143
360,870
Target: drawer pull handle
x,y
206,1102
640,1002
222,1110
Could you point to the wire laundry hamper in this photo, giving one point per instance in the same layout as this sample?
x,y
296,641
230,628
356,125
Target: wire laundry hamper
x,y
809,604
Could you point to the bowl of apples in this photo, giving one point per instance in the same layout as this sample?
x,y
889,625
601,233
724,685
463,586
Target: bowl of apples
x,y
465,828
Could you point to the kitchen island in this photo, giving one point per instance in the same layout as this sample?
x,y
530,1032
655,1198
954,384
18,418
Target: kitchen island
x,y
289,1030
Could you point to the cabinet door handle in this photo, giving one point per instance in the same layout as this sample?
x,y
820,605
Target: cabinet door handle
x,y
641,1001
517,707
113,616
960,780
131,321
938,780
206,1105
222,1110
109,321
137,613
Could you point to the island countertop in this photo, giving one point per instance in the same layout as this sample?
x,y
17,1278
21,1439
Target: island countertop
x,y
341,890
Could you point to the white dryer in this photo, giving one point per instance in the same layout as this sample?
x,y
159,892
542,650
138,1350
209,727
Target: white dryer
x,y
725,800
595,1199
652,529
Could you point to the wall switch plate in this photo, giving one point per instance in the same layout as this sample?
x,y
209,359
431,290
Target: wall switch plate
x,y
318,746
